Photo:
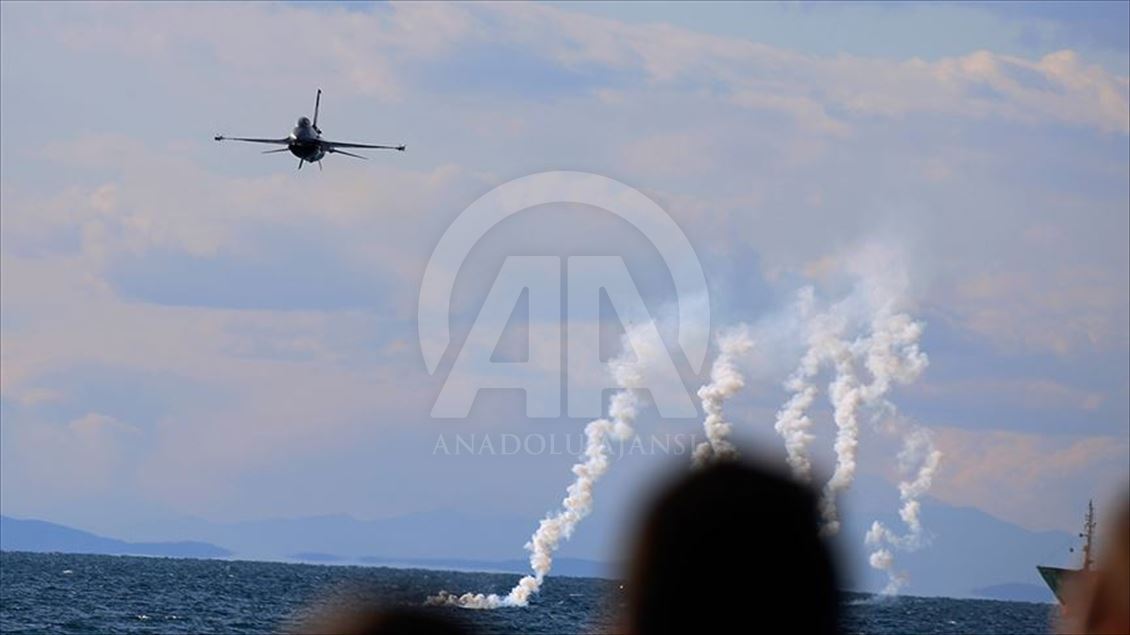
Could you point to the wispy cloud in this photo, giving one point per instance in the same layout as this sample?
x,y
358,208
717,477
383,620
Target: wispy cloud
x,y
133,245
1034,480
1057,87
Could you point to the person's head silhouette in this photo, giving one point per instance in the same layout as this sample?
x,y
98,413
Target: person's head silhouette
x,y
732,547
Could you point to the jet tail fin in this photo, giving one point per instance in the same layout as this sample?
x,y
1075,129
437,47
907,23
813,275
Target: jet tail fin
x,y
317,105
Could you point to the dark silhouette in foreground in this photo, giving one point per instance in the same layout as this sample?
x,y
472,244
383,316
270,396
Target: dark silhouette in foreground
x,y
1098,601
732,548
380,621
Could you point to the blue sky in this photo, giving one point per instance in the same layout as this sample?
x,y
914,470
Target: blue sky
x,y
195,329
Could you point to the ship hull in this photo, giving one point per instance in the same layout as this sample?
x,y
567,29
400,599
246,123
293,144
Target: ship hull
x,y
1056,579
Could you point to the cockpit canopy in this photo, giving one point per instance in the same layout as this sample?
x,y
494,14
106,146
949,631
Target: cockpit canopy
x,y
303,122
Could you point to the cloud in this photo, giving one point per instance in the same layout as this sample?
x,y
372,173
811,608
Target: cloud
x,y
165,227
1059,311
1002,177
81,457
296,381
1038,481
1017,393
377,53
363,53
1059,87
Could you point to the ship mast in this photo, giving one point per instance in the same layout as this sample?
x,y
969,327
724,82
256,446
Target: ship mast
x,y
1088,534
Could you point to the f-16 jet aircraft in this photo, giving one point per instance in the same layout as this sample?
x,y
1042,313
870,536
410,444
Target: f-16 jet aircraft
x,y
306,142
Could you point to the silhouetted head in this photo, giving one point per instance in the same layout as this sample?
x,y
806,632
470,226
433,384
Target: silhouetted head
x,y
303,122
732,548
378,621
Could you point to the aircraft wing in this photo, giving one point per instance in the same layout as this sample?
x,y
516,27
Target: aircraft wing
x,y
342,144
348,154
283,141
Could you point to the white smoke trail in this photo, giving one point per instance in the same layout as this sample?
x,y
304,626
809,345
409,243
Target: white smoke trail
x,y
846,395
577,504
826,345
793,422
918,448
891,355
864,371
883,560
725,381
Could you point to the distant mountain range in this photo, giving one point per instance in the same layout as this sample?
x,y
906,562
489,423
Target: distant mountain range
x,y
37,535
41,536
572,567
413,537
971,554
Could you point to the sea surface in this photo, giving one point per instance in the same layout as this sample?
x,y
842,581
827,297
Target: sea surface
x,y
71,593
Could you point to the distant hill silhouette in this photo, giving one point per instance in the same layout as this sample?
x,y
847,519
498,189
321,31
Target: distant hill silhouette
x,y
970,553
37,535
315,556
968,550
574,567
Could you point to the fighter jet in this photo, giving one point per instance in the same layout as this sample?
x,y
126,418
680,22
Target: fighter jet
x,y
306,142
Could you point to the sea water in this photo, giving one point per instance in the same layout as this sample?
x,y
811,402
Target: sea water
x,y
71,593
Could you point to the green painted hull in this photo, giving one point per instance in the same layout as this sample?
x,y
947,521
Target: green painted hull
x,y
1056,578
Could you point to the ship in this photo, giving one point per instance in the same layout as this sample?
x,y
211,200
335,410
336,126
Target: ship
x,y
1057,577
